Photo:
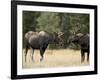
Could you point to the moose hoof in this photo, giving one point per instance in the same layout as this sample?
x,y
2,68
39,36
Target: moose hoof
x,y
82,61
41,59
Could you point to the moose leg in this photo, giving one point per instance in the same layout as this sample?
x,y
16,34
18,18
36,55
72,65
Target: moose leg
x,y
32,54
42,50
88,53
26,50
82,55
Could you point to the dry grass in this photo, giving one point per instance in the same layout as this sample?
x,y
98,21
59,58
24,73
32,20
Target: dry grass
x,y
54,58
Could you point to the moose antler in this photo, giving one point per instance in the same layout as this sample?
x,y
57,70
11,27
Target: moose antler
x,y
75,29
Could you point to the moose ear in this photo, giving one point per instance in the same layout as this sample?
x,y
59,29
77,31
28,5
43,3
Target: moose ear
x,y
60,34
72,32
79,34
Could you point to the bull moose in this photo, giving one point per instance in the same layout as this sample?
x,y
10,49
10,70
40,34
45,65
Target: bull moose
x,y
39,40
83,41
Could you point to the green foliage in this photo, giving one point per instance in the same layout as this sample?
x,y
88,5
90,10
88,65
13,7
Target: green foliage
x,y
48,22
56,22
29,20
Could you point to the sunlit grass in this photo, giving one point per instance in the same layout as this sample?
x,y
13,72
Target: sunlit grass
x,y
54,58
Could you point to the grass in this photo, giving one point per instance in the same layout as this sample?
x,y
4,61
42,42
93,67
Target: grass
x,y
54,58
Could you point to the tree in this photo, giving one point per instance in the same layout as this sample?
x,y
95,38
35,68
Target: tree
x,y
48,21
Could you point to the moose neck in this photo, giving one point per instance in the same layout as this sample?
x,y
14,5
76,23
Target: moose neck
x,y
51,38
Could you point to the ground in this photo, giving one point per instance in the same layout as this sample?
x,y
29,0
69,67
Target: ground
x,y
54,58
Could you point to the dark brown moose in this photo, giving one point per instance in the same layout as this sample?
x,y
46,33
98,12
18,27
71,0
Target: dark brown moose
x,y
83,41
39,40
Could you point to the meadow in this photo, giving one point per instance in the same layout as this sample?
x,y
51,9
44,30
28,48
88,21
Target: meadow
x,y
54,58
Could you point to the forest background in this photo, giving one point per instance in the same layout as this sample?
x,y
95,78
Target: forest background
x,y
56,22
